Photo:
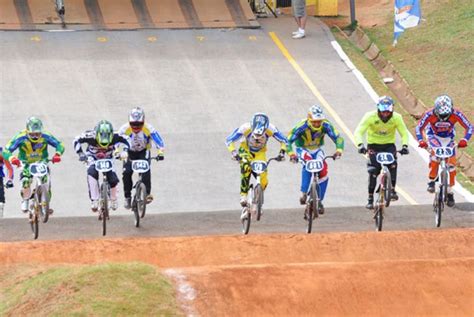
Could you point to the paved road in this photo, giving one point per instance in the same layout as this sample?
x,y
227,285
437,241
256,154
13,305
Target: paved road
x,y
340,219
196,87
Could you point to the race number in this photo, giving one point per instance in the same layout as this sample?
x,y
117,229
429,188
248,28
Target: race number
x,y
385,158
103,166
314,166
140,166
258,166
443,152
38,169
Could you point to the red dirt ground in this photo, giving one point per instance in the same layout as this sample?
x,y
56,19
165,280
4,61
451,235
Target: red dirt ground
x,y
339,274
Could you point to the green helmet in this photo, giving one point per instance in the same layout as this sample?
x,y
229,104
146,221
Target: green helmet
x,y
104,133
34,128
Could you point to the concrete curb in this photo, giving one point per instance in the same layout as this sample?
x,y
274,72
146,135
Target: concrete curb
x,y
400,88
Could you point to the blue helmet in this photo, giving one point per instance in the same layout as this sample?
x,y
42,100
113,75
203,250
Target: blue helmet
x,y
384,105
259,123
443,107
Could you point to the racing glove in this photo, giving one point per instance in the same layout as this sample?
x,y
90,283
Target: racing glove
x,y
361,149
293,158
56,158
462,143
9,184
82,157
235,156
404,150
15,161
123,155
281,155
422,144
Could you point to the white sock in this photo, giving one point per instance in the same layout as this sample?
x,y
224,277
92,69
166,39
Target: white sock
x,y
301,30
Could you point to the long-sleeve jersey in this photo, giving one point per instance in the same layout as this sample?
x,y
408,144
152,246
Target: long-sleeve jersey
x,y
30,152
443,129
143,139
94,150
310,138
244,135
7,165
379,132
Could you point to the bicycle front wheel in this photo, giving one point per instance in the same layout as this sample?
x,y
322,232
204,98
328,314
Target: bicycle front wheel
x,y
141,199
258,200
387,187
444,184
43,202
378,217
246,220
438,205
312,207
34,224
104,208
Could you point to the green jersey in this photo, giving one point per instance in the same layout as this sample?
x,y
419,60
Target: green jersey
x,y
379,132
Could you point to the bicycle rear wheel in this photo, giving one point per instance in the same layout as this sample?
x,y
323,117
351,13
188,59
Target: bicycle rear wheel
x,y
258,200
104,208
387,187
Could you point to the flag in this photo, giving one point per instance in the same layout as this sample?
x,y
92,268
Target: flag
x,y
407,15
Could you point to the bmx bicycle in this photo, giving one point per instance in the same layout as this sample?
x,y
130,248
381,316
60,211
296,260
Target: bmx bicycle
x,y
255,197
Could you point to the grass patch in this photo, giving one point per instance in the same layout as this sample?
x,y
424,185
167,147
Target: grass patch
x,y
435,58
101,290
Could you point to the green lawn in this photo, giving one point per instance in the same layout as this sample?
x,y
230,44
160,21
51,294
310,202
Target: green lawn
x,y
131,289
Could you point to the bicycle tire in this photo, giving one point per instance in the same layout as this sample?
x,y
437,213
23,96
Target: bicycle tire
x,y
104,194
378,217
135,211
35,226
312,207
142,200
444,184
258,200
438,205
246,221
42,201
387,187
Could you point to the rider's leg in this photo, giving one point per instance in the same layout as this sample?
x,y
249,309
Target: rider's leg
x,y
113,181
452,180
127,179
373,171
2,189
393,175
245,173
93,184
305,182
25,190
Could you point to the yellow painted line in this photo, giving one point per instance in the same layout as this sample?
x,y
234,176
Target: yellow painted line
x,y
102,39
152,39
35,39
200,38
323,101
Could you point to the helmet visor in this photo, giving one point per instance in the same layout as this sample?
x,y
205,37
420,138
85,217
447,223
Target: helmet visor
x,y
34,135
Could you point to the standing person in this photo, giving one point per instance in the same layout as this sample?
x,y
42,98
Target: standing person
x,y
9,182
299,12
308,136
141,135
254,136
32,145
101,142
380,126
438,125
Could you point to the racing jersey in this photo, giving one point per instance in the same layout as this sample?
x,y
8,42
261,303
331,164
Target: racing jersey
x,y
431,125
94,150
310,138
8,166
143,139
254,144
30,152
379,132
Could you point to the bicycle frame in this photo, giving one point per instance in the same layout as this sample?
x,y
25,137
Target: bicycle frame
x,y
104,166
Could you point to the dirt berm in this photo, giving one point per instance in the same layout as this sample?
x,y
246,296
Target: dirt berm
x,y
423,273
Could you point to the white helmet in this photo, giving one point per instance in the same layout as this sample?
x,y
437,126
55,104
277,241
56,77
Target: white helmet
x,y
316,113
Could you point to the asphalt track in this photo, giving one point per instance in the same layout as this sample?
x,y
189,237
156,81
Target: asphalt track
x,y
196,87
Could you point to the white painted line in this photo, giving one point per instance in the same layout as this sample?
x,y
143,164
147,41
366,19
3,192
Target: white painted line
x,y
413,143
61,30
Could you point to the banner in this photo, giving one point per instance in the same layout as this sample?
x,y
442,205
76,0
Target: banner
x,y
407,15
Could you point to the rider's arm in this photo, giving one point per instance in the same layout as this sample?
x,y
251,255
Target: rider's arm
x,y
295,134
54,142
464,122
14,144
86,137
156,137
124,139
278,136
420,127
235,136
401,128
362,128
7,165
331,131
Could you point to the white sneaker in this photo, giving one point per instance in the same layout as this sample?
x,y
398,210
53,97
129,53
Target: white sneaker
x,y
295,32
24,205
299,35
114,204
94,205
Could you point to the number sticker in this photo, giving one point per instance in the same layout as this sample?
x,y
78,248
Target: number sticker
x,y
385,158
314,166
259,166
443,152
38,169
140,166
103,165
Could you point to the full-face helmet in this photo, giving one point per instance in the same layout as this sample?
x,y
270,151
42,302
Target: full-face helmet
x,y
259,123
34,129
136,119
443,107
315,116
104,133
385,108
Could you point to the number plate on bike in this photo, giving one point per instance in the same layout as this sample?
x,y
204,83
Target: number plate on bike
x,y
140,166
314,166
103,166
443,152
385,158
38,169
258,166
